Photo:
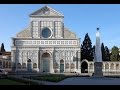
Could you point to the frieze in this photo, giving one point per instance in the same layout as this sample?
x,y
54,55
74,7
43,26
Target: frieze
x,y
43,42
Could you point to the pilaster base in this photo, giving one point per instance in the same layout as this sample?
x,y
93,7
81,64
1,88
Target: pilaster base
x,y
52,71
78,70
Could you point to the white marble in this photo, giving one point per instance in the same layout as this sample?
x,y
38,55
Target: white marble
x,y
98,55
61,44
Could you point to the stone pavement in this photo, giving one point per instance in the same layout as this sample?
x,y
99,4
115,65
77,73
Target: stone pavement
x,y
84,81
80,81
89,81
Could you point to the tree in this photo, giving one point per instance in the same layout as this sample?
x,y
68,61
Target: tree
x,y
86,49
94,49
107,54
2,48
114,54
94,52
119,58
103,52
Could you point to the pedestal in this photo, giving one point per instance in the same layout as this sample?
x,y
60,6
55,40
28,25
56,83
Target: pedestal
x,y
13,67
98,69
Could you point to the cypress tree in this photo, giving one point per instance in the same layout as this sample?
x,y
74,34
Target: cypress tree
x,y
107,54
86,49
103,52
2,48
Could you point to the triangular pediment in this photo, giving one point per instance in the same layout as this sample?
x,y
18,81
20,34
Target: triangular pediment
x,y
46,11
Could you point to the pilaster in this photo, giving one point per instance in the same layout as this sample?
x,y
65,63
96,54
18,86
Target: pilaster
x,y
51,63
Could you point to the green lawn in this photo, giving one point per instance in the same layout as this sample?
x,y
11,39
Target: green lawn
x,y
52,78
23,81
10,82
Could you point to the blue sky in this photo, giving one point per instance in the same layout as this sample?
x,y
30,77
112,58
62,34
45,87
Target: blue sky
x,y
79,18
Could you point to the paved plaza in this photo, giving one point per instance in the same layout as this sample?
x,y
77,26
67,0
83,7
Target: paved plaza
x,y
90,81
83,81
86,81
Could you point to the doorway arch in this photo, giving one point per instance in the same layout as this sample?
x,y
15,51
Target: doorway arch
x,y
46,62
84,67
61,66
29,65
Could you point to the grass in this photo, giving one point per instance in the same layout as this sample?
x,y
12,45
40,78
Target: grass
x,y
10,82
51,78
26,82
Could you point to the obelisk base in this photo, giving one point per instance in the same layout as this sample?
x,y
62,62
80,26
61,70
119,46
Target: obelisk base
x,y
98,69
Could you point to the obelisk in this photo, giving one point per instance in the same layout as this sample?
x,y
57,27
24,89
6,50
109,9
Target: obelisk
x,y
98,57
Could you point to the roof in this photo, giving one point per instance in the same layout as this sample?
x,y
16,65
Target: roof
x,y
7,53
46,11
26,33
68,34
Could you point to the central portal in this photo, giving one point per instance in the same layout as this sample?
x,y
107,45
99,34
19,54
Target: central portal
x,y
46,62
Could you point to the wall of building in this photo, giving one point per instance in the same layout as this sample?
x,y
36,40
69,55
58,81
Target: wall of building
x,y
55,24
108,67
68,55
5,62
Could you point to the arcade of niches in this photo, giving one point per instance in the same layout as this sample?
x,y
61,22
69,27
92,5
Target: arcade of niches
x,y
108,66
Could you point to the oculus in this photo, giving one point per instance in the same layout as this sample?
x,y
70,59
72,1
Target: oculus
x,y
46,32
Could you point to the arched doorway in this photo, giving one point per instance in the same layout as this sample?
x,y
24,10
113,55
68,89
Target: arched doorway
x,y
61,66
46,62
6,64
24,65
117,66
112,66
84,67
18,66
29,65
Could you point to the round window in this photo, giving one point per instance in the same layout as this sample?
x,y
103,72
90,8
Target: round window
x,y
46,32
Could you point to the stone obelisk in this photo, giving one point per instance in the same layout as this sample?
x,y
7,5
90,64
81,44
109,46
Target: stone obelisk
x,y
98,57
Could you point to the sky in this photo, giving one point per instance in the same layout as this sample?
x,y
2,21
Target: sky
x,y
79,18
